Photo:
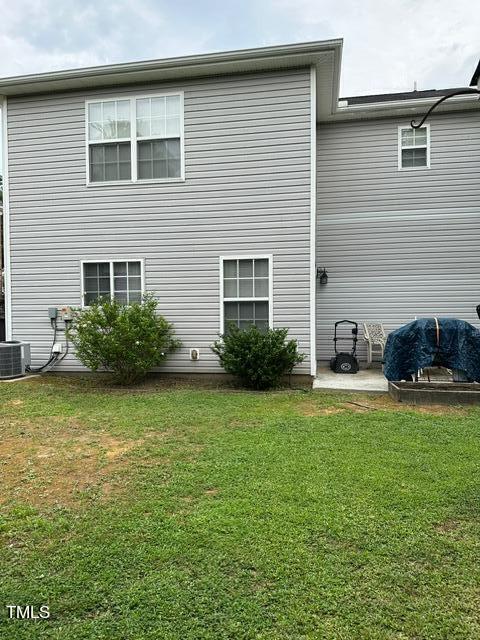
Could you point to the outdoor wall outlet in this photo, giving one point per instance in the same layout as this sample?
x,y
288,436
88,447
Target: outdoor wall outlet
x,y
52,312
194,354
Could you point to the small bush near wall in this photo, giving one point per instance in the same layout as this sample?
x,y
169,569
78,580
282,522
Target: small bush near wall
x,y
257,358
128,341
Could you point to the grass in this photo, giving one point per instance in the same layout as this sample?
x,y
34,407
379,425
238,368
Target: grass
x,y
188,514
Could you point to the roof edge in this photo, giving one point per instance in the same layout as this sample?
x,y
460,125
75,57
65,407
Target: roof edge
x,y
398,96
401,108
82,77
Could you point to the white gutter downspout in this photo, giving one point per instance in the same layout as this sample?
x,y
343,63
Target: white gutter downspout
x,y
6,226
313,207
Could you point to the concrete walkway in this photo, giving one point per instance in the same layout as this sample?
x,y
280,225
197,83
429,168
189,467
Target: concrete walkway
x,y
365,380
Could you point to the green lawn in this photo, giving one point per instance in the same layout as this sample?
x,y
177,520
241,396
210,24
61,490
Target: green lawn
x,y
188,513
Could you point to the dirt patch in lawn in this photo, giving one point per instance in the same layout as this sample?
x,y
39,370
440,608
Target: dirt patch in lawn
x,y
448,526
310,409
61,464
363,403
383,402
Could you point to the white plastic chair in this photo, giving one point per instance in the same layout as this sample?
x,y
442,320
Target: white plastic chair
x,y
374,336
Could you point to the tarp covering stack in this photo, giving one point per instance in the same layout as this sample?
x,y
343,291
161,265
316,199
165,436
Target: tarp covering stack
x,y
427,342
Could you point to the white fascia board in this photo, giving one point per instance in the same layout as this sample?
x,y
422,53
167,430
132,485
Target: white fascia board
x,y
244,60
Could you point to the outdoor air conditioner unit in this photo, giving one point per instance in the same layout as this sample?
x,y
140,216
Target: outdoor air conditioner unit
x,y
14,357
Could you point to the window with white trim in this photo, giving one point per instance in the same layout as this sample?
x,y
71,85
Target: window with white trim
x,y
246,292
135,139
120,280
414,148
109,147
158,137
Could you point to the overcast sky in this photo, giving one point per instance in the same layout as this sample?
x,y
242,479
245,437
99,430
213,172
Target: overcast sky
x,y
388,44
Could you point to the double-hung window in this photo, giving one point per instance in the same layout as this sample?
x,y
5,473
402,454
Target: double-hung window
x,y
246,292
109,145
120,280
158,137
414,147
135,139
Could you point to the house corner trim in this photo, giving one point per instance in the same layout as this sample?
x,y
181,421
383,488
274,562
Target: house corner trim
x,y
313,197
6,225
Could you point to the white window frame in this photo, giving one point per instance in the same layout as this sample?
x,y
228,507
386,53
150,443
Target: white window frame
x,y
111,261
134,140
269,299
419,146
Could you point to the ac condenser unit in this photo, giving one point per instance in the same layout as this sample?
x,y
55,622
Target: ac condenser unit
x,y
14,357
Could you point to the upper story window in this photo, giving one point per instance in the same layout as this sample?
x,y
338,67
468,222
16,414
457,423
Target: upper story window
x,y
135,139
414,147
109,141
158,137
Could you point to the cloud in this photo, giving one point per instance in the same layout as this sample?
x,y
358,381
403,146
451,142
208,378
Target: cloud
x,y
43,35
389,44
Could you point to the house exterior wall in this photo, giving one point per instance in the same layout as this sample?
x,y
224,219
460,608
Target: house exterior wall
x,y
397,244
247,191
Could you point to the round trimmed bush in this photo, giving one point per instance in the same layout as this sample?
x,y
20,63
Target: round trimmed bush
x,y
128,340
257,358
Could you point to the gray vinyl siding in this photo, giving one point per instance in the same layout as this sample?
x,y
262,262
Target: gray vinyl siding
x,y
247,191
397,244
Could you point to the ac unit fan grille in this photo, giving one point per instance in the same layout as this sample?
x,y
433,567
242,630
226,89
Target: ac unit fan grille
x,y
11,361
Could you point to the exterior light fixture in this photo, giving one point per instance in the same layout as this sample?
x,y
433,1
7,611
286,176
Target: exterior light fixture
x,y
322,275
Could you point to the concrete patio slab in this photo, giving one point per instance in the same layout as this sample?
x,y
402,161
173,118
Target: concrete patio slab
x,y
371,380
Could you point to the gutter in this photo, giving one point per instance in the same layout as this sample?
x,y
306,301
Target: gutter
x,y
202,64
399,107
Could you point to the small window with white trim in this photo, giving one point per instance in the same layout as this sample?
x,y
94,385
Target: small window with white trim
x,y
246,288
414,148
120,280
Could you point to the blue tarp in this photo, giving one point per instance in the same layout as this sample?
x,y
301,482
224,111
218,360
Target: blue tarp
x,y
414,346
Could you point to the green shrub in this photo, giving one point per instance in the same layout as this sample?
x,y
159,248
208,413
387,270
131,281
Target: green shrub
x,y
257,358
128,341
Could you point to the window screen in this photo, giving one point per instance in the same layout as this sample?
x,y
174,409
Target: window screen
x,y
134,139
414,148
96,281
117,280
109,148
158,129
246,298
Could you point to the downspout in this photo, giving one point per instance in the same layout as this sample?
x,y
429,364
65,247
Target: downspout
x,y
6,225
313,206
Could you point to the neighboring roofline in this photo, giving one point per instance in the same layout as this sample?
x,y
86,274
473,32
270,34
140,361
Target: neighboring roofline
x,y
402,108
474,82
398,96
